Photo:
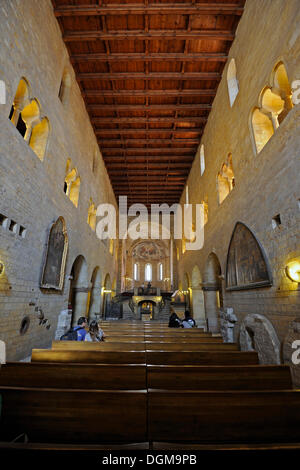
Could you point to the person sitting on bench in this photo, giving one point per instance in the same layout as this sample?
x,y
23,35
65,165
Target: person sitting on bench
x,y
188,321
95,333
174,321
80,328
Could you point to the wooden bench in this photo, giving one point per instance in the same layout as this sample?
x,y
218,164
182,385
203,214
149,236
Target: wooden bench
x,y
100,357
85,376
183,339
102,346
73,415
142,346
201,358
224,416
247,377
114,338
190,346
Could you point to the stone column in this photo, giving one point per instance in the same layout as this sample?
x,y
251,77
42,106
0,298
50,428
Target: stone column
x,y
198,307
212,307
80,303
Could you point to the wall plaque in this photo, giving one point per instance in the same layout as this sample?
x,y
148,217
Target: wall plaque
x,y
56,254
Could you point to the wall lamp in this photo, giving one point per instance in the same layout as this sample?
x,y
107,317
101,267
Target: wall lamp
x,y
292,270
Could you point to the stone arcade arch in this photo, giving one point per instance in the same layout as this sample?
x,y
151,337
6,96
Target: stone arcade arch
x,y
212,292
95,294
79,289
107,287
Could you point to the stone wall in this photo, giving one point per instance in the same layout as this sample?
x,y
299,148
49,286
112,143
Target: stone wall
x,y
266,184
31,190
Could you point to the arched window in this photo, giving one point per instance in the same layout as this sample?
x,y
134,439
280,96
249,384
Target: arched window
x,y
225,179
21,100
74,191
65,88
160,272
26,116
232,82
202,160
205,209
136,272
39,138
187,194
262,129
91,220
111,246
148,272
72,183
281,85
274,104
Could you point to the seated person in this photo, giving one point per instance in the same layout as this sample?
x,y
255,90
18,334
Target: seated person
x,y
80,328
95,334
188,321
174,321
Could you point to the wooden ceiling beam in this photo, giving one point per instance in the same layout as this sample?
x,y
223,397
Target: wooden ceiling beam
x,y
154,57
151,166
183,130
217,8
142,35
150,107
144,93
148,141
150,76
143,120
185,151
150,160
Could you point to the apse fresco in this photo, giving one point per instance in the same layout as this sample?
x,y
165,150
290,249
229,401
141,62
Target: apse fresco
x,y
247,266
147,250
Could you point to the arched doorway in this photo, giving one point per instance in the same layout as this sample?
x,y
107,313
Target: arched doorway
x,y
95,294
213,292
107,290
198,298
79,289
146,310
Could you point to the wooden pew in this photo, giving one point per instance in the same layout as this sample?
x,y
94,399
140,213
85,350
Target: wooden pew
x,y
183,339
124,338
102,346
217,417
178,332
73,415
142,346
92,357
189,346
201,358
85,376
246,377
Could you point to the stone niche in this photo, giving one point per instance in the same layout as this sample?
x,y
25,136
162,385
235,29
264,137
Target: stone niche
x,y
288,350
258,334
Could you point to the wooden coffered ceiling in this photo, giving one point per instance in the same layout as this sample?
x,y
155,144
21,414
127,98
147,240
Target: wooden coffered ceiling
x,y
148,72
